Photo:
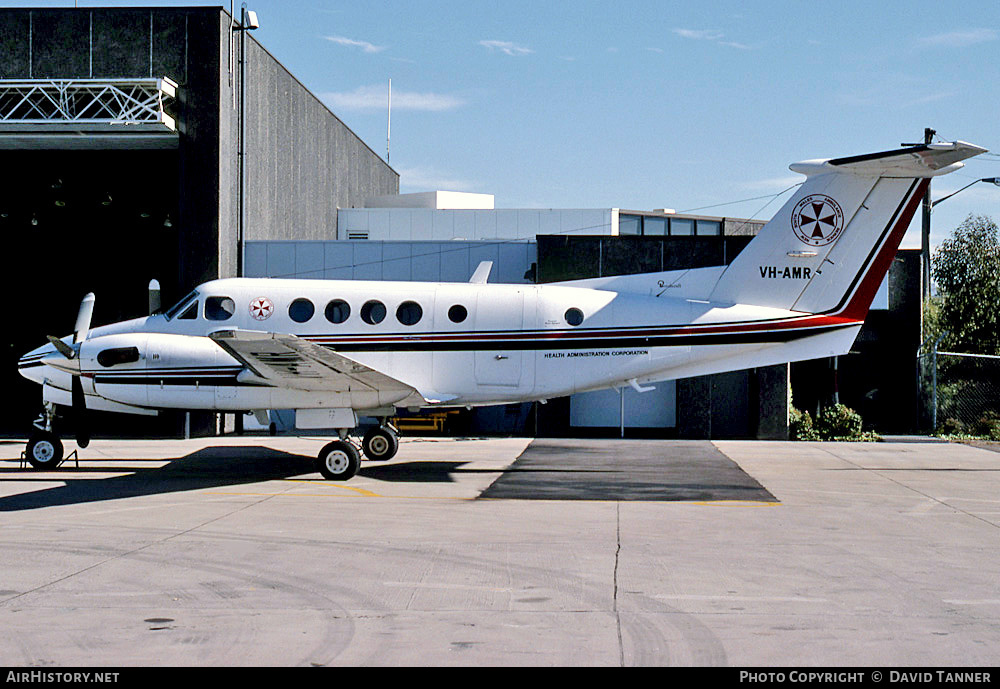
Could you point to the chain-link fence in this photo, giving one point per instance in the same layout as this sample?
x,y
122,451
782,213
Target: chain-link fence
x,y
961,393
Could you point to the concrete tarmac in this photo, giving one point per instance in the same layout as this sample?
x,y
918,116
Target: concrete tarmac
x,y
234,552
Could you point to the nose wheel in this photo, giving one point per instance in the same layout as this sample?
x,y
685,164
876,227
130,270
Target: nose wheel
x,y
44,451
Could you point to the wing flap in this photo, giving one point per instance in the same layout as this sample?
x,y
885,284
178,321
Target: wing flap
x,y
284,360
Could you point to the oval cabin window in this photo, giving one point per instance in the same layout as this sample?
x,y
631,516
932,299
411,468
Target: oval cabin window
x,y
373,312
409,313
301,310
574,316
338,311
457,313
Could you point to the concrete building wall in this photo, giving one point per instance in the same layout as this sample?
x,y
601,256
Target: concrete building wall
x,y
302,162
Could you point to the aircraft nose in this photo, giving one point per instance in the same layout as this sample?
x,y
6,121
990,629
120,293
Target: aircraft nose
x,y
33,364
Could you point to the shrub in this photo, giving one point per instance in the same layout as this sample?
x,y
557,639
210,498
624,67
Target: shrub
x,y
833,423
838,422
800,426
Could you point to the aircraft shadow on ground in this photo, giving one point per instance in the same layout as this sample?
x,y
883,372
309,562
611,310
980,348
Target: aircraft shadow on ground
x,y
212,467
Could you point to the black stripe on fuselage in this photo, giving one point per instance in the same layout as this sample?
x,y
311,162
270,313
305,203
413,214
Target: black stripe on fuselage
x,y
583,342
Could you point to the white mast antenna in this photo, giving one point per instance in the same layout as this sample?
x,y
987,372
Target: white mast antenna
x,y
388,126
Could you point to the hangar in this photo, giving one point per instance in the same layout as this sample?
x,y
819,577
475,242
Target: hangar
x,y
168,143
124,127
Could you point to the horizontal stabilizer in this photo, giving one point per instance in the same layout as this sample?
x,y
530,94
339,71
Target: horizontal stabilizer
x,y
917,161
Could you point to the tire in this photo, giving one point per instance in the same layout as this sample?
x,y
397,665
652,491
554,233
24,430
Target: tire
x,y
44,451
380,444
338,461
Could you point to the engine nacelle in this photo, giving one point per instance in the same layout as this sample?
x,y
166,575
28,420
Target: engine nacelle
x,y
157,369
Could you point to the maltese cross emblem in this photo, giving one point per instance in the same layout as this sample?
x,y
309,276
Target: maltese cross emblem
x,y
817,220
261,308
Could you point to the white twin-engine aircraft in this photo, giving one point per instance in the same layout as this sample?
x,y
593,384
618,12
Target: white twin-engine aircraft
x,y
333,350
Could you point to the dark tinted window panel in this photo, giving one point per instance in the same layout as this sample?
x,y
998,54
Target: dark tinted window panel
x,y
457,313
190,313
219,308
574,316
409,313
301,310
338,311
373,312
60,44
121,43
118,355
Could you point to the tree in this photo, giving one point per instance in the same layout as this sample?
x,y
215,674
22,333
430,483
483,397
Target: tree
x,y
966,269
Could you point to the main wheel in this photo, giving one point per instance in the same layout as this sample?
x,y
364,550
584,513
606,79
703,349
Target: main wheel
x,y
44,451
338,461
380,444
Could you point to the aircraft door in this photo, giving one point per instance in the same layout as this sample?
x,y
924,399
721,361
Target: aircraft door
x,y
499,313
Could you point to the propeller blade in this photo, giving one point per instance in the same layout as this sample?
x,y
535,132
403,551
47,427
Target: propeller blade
x,y
83,319
80,413
62,347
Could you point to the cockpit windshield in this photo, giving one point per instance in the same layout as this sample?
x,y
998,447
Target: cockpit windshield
x,y
179,306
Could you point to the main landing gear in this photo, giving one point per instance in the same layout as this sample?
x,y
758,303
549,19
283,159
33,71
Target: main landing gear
x,y
45,450
341,459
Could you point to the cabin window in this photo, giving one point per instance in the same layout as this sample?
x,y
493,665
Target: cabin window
x,y
190,313
338,311
574,316
219,308
301,310
409,313
118,355
373,312
457,313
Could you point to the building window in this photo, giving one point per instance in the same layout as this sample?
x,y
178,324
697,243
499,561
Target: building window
x,y
681,227
409,313
301,310
653,226
219,308
457,313
338,311
629,224
373,312
709,228
574,316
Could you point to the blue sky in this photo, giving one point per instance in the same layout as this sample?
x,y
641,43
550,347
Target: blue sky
x,y
645,105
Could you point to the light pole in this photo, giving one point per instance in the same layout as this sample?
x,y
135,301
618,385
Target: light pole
x,y
248,22
991,180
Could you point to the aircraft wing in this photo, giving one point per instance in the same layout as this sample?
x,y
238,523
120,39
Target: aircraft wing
x,y
284,360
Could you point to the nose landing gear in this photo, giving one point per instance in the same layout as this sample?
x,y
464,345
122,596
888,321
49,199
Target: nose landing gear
x,y
44,450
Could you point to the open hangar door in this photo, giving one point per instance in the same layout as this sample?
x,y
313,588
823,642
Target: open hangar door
x,y
75,222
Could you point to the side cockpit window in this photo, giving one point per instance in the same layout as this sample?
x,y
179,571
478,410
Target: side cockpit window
x,y
190,313
219,308
183,306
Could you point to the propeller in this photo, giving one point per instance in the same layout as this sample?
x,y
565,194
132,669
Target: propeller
x,y
72,352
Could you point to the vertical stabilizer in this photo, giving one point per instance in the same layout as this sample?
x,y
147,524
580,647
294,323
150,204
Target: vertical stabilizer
x,y
829,248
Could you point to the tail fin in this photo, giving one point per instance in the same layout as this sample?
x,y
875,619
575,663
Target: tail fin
x,y
828,249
